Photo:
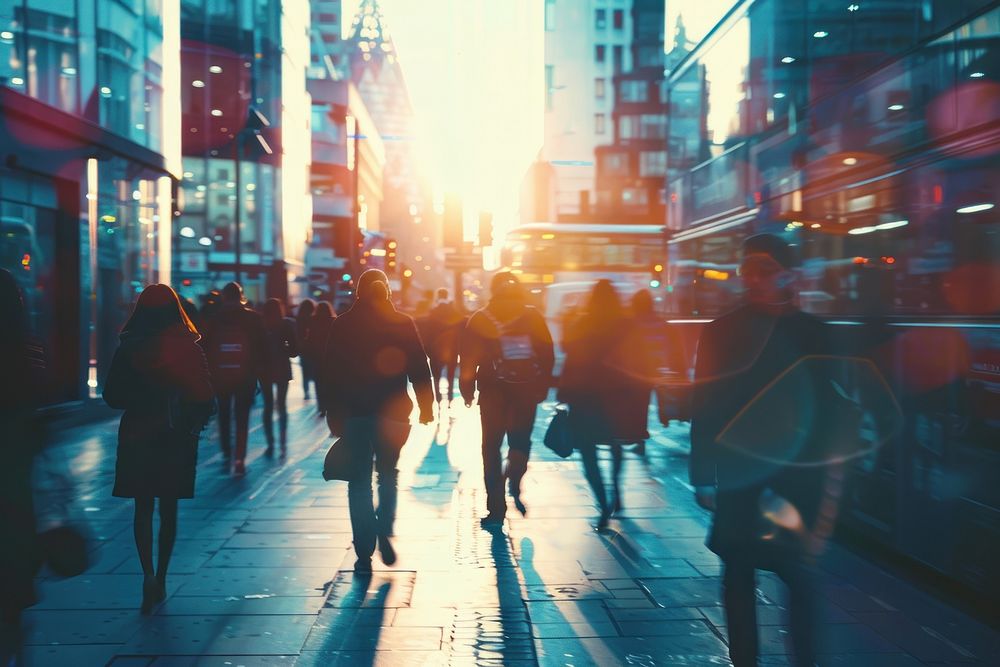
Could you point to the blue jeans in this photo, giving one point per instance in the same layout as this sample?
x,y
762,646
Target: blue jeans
x,y
378,440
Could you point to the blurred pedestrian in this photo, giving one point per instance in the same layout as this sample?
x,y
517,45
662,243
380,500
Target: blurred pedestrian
x,y
740,354
596,385
506,352
280,346
159,376
371,353
19,394
315,349
234,344
303,318
442,327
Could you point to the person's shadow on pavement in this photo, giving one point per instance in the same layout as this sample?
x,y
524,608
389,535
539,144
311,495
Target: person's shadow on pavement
x,y
352,636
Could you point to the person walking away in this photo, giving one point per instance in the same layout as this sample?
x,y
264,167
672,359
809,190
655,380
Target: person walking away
x,y
739,355
160,378
234,343
315,348
655,358
371,353
281,345
303,318
443,326
507,353
595,384
20,389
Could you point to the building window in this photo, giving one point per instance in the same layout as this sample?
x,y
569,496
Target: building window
x,y
619,19
619,58
652,163
633,91
600,121
600,53
600,19
550,84
599,88
550,15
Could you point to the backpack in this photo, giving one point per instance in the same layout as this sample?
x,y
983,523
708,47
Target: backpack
x,y
231,353
515,361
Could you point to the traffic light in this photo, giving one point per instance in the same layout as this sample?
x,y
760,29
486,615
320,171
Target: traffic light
x,y
656,275
390,256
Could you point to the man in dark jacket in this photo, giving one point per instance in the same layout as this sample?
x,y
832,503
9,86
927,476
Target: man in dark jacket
x,y
235,347
506,352
443,326
371,353
744,357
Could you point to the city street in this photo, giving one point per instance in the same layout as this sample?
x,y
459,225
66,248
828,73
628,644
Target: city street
x,y
262,571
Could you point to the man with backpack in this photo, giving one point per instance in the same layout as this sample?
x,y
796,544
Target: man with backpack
x,y
235,347
506,352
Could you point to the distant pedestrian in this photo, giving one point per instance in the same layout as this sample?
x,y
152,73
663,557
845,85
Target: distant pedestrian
x,y
442,328
280,346
19,394
234,344
303,318
160,378
507,354
371,353
314,348
740,354
596,385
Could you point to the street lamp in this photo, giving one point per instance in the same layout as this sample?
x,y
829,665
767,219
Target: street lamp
x,y
256,121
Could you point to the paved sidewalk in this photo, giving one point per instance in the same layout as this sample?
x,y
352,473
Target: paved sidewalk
x,y
262,572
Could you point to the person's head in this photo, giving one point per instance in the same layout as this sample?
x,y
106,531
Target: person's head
x,y
306,308
373,286
506,286
232,293
273,312
442,295
157,310
767,269
642,303
604,301
324,311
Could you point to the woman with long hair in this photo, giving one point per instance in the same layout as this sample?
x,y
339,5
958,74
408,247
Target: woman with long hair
x,y
315,347
303,318
594,384
280,345
160,378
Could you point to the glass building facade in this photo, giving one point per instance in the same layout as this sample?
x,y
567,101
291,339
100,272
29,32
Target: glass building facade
x,y
89,146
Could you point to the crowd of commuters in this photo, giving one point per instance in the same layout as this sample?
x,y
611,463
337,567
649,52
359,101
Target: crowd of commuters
x,y
176,367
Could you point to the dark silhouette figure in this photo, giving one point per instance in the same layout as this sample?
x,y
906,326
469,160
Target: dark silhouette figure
x,y
160,377
234,344
654,358
314,349
371,353
280,345
303,318
441,330
597,387
507,353
19,385
739,355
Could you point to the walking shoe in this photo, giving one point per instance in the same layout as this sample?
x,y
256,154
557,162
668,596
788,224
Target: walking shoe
x,y
640,448
240,468
385,550
363,566
491,521
269,452
602,522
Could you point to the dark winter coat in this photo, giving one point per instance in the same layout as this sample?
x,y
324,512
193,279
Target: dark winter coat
x,y
314,347
654,355
249,327
280,345
440,333
163,384
739,356
595,381
480,347
371,352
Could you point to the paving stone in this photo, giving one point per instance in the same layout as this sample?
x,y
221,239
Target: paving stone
x,y
276,558
373,637
80,627
221,635
571,630
248,605
662,628
57,656
240,582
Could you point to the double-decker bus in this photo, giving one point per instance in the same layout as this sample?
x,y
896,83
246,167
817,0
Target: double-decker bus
x,y
558,263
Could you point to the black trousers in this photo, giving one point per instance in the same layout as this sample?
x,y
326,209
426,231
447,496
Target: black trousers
x,y
238,401
372,439
448,368
275,396
740,600
504,414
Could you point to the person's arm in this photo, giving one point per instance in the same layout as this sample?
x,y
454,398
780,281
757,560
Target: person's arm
x,y
419,374
702,459
471,347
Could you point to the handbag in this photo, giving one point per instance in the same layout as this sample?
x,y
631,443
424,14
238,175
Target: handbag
x,y
340,462
559,434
